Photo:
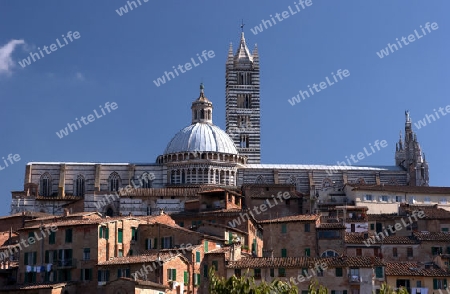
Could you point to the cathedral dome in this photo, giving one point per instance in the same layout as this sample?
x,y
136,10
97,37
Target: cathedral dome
x,y
201,137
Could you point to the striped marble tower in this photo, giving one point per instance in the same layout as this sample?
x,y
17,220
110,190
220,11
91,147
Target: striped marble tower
x,y
243,101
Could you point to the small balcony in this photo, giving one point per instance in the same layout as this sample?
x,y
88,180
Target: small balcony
x,y
66,263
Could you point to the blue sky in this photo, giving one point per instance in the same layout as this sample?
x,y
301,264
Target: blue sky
x,y
116,58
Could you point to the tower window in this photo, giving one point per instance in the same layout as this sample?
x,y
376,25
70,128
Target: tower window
x,y
243,121
244,100
114,182
79,186
244,78
45,185
244,141
202,114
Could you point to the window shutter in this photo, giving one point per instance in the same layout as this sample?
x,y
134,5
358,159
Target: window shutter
x,y
82,275
34,257
435,286
162,243
445,283
170,242
46,256
333,292
99,275
25,258
127,272
119,273
90,274
155,243
205,271
55,255
174,274
107,275
107,233
146,244
197,256
345,292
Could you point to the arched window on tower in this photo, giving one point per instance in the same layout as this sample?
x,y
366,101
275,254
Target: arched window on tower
x,y
79,188
146,180
244,100
244,141
202,114
45,185
114,182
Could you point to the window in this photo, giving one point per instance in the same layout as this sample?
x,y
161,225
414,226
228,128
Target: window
x,y
329,253
283,252
439,284
282,272
197,256
166,242
411,200
444,230
257,273
332,234
338,272
206,247
133,234
171,274
319,272
120,235
307,252
307,228
358,252
30,258
52,238
86,253
372,227
186,278
45,185
146,180
86,274
215,264
123,272
244,78
354,275
398,198
272,272
148,244
103,275
205,270
79,186
65,257
68,235
51,256
120,253
379,272
244,142
103,232
114,182
427,200
394,252
436,250
368,197
409,252
196,279
384,198
443,201
283,228
237,272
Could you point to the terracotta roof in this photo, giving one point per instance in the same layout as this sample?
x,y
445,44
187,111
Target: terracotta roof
x,y
153,257
414,269
432,236
293,218
4,237
34,286
401,189
27,214
143,283
383,217
78,222
305,262
431,211
331,226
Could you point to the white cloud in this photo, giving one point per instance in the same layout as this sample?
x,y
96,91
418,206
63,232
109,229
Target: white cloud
x,y
6,62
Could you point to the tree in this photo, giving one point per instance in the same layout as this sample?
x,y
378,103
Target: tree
x,y
386,289
247,285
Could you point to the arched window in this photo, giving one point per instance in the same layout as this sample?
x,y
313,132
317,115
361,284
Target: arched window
x,y
45,185
202,114
260,180
146,180
114,182
79,188
329,253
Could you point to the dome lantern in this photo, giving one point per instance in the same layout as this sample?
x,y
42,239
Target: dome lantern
x,y
202,108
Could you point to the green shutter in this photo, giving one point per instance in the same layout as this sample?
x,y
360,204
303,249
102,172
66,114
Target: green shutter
x,y
107,233
100,232
283,252
119,273
230,237
120,236
307,252
162,243
283,228
34,257
25,258
206,246
46,256
174,274
333,292
205,271
186,278
198,279
155,243
133,234
197,256
435,284
55,255
445,283
344,292
146,244
68,235
127,272
52,238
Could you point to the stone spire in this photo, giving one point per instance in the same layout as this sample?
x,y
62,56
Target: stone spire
x,y
202,108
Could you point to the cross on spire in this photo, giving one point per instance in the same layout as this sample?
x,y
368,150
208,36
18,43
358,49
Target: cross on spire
x,y
242,25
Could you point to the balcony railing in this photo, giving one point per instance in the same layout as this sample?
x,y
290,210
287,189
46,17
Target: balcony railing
x,y
66,263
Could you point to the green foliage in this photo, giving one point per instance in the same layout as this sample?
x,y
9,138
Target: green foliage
x,y
247,285
386,289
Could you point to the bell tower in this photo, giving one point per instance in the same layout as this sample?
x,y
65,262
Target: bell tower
x,y
242,94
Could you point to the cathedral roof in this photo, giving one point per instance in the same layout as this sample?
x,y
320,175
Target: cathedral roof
x,y
201,137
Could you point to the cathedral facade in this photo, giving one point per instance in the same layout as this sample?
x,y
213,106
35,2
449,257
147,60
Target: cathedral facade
x,y
202,157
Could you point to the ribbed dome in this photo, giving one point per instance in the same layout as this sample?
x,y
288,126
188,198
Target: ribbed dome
x,y
201,137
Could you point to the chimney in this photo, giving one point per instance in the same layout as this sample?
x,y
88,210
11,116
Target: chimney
x,y
66,212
